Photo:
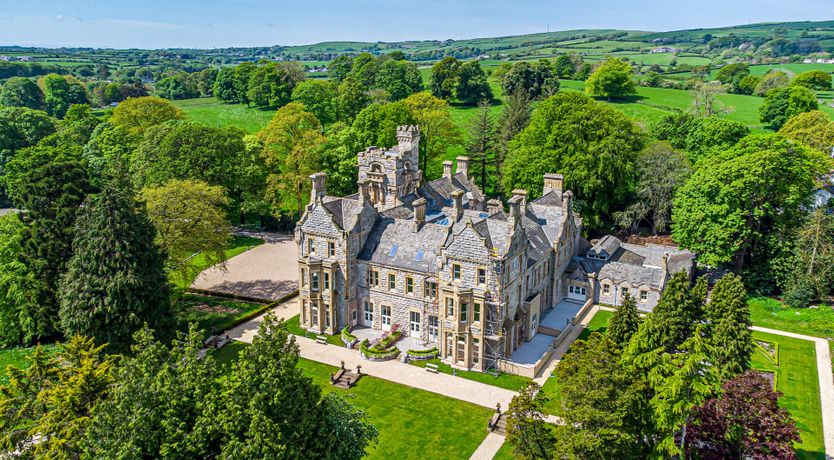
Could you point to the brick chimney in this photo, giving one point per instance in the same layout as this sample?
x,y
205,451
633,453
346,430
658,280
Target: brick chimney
x,y
664,267
494,206
523,194
419,213
553,182
463,166
457,196
515,209
447,168
319,190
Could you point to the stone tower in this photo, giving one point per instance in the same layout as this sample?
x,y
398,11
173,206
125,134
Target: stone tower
x,y
392,174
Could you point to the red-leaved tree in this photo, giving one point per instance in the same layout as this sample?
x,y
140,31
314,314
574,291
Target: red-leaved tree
x,y
744,422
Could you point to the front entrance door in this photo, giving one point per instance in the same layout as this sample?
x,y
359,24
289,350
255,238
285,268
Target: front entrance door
x,y
368,315
415,324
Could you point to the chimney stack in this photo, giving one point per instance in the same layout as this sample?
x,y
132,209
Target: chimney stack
x,y
515,209
494,206
363,193
567,201
463,166
553,183
447,168
419,213
523,194
319,190
457,196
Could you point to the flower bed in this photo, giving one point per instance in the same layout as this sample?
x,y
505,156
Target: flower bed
x,y
347,338
420,355
382,349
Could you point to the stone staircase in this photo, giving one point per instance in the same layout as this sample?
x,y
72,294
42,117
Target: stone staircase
x,y
344,378
498,424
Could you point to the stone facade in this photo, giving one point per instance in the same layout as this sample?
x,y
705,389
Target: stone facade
x,y
434,258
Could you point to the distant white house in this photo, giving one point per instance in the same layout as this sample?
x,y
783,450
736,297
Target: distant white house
x,y
5,58
818,61
664,49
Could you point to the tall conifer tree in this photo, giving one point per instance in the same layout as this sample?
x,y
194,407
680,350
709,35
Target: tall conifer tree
x,y
624,323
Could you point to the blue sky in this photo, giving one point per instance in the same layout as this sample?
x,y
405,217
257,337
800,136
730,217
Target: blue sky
x,y
221,23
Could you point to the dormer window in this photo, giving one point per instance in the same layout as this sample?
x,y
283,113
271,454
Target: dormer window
x,y
593,255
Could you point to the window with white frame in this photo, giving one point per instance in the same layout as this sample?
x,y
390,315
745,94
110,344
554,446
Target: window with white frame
x,y
409,285
456,271
481,276
331,249
644,295
433,328
373,278
311,246
314,314
368,312
392,281
386,315
450,306
303,277
326,280
314,281
606,289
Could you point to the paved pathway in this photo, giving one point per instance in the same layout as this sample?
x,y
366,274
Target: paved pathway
x,y
826,382
395,371
563,347
267,272
488,448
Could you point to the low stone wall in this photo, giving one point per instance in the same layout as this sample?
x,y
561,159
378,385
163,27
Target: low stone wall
x,y
525,370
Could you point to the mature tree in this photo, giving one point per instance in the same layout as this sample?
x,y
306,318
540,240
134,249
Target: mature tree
x,y
51,400
681,382
21,92
243,72
187,150
707,134
292,148
15,324
351,99
20,128
115,281
438,131
661,170
61,92
481,144
190,218
538,80
107,146
515,116
705,100
174,396
814,80
138,114
319,97
812,273
771,80
528,432
377,125
399,79
270,85
340,67
180,85
224,85
733,207
272,410
680,308
731,72
50,184
748,84
815,129
444,78
729,317
782,104
76,128
611,80
605,409
473,87
624,322
564,67
339,159
592,144
744,422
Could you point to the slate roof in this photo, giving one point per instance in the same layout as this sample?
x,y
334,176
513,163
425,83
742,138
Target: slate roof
x,y
343,210
390,232
439,191
608,245
636,263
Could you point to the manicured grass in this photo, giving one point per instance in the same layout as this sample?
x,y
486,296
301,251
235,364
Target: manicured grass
x,y
238,245
412,423
213,312
771,313
796,378
506,381
18,357
293,326
505,452
211,112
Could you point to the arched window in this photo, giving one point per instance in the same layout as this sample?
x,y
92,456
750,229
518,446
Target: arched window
x,y
376,168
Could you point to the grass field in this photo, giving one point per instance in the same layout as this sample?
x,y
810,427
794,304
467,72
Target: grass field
x,y
211,112
796,378
771,313
506,381
412,423
213,313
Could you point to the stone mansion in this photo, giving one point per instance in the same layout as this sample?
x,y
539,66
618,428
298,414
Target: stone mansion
x,y
453,269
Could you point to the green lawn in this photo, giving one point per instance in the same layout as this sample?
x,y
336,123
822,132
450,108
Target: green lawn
x,y
506,381
211,112
796,378
214,312
238,245
293,326
771,313
412,423
505,452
